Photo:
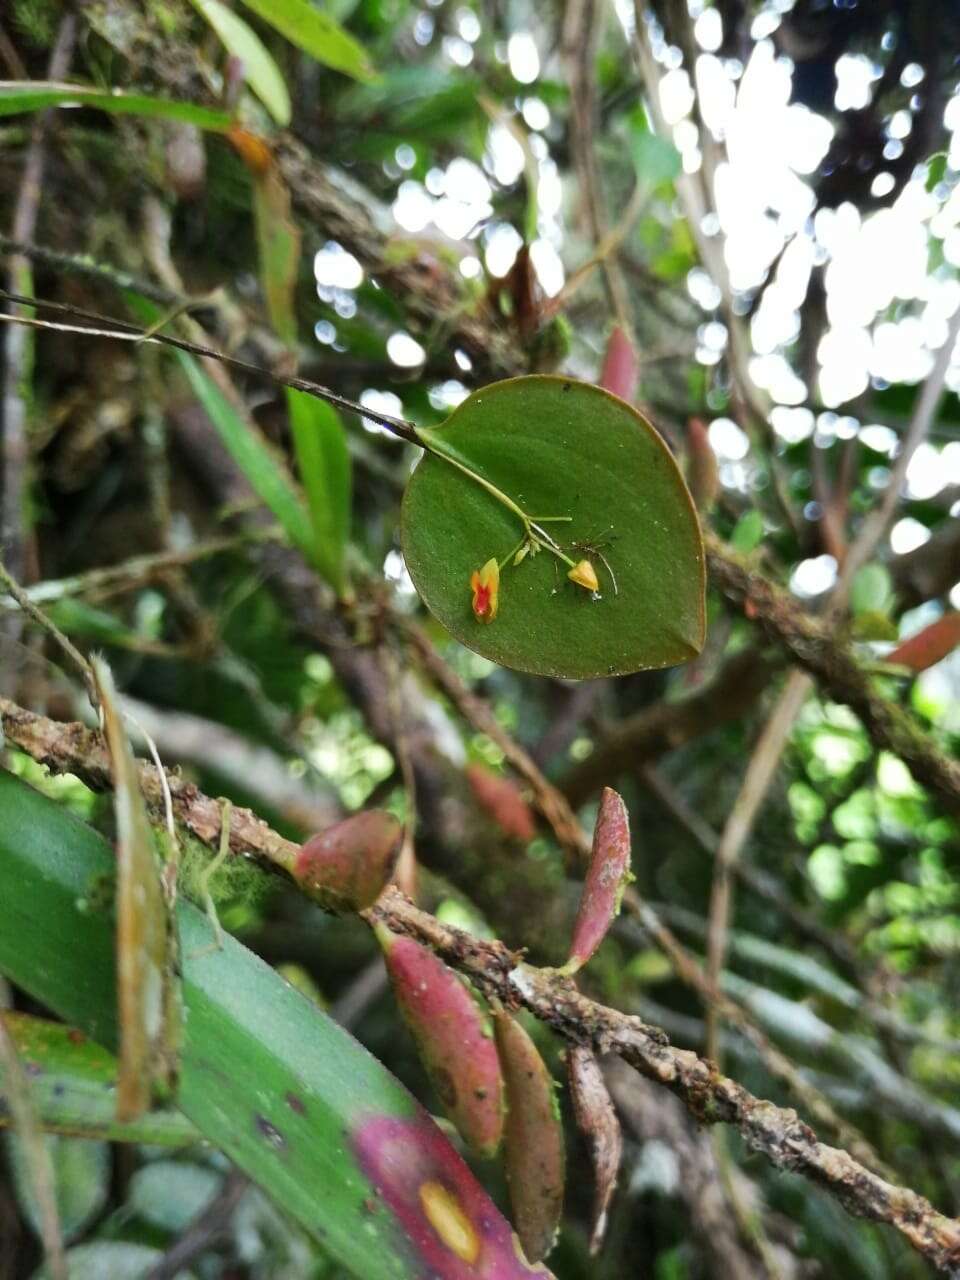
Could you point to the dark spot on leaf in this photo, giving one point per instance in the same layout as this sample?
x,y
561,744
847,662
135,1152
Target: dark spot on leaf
x,y
59,1089
445,1087
75,1036
566,386
271,1133
296,1103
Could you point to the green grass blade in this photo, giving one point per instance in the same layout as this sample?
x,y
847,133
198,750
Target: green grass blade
x,y
267,1077
323,461
315,33
255,459
18,96
262,73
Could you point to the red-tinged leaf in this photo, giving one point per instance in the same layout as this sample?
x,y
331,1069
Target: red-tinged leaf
x,y
607,877
533,1140
620,366
597,1121
453,1037
703,476
348,866
930,645
503,801
442,1209
147,995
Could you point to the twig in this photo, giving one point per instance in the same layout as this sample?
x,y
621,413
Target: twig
x,y
208,1228
18,342
81,265
581,29
813,644
36,1154
140,570
51,628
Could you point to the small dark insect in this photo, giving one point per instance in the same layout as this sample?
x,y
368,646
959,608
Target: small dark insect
x,y
591,547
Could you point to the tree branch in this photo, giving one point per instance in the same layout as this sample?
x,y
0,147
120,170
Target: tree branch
x,y
813,645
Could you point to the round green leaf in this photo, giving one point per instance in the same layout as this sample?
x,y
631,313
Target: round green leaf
x,y
558,447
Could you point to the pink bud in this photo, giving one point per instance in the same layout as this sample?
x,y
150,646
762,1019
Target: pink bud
x,y
703,477
453,1037
607,877
347,867
620,366
503,801
533,1147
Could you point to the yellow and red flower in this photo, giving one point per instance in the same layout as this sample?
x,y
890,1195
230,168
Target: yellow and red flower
x,y
485,585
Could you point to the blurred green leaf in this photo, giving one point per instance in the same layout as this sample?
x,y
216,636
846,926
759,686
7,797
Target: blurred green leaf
x,y
561,448
871,590
655,159
111,1260
323,460
17,96
259,463
747,532
169,1193
73,1084
315,33
81,1171
262,73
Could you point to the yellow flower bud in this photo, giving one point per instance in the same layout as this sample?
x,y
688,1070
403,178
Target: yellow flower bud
x,y
584,575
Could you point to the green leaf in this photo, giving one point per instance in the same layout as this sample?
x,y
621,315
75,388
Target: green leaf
x,y
559,448
656,159
871,590
315,33
17,96
267,1077
73,1086
81,1171
747,532
323,461
263,469
111,1260
319,439
262,73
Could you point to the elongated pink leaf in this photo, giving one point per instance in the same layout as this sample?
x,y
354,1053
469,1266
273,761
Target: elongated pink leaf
x,y
347,867
533,1146
930,645
703,475
597,1121
620,366
607,877
453,1037
503,800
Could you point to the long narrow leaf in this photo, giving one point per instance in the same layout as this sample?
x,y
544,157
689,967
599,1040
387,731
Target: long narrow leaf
x,y
319,440
255,459
18,96
262,73
315,33
266,1076
146,994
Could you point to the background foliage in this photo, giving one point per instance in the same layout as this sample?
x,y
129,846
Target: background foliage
x,y
404,202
